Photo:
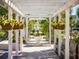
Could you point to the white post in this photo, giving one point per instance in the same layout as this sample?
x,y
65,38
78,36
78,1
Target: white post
x,y
59,38
26,30
54,39
21,40
17,37
10,36
23,33
49,30
21,37
59,42
67,30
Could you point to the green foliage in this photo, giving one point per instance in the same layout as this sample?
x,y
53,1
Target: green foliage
x,y
13,37
37,33
3,11
11,24
2,33
72,21
24,41
77,12
75,35
42,33
13,41
77,24
58,24
32,32
31,26
76,40
44,26
63,14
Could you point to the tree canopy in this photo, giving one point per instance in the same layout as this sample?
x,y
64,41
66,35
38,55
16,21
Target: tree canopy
x,y
3,11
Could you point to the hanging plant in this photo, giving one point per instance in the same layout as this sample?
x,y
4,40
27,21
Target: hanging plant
x,y
61,24
55,24
58,24
11,24
20,25
6,25
16,26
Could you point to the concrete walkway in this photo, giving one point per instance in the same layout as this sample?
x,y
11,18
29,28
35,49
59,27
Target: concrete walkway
x,y
37,53
29,51
42,52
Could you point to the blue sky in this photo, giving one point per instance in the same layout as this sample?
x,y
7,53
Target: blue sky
x,y
74,10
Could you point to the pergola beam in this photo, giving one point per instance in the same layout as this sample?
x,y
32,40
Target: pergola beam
x,y
10,4
37,7
66,6
39,16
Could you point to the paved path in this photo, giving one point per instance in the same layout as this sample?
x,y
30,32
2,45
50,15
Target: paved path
x,y
38,53
34,53
30,51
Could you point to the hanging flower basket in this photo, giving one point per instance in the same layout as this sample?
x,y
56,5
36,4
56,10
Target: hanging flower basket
x,y
21,25
16,26
55,25
11,24
58,24
61,25
7,26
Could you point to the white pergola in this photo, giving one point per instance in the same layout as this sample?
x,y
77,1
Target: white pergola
x,y
40,8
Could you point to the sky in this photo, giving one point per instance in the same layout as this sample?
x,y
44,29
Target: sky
x,y
74,10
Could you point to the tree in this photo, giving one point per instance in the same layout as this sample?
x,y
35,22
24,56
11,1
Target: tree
x,y
77,12
3,11
44,26
4,14
31,26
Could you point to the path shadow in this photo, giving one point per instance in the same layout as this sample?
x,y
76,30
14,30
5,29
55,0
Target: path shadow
x,y
44,54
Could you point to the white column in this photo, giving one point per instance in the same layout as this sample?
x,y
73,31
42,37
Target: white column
x,y
54,39
23,33
26,30
17,37
67,30
59,42
54,36
59,38
21,37
49,30
10,36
